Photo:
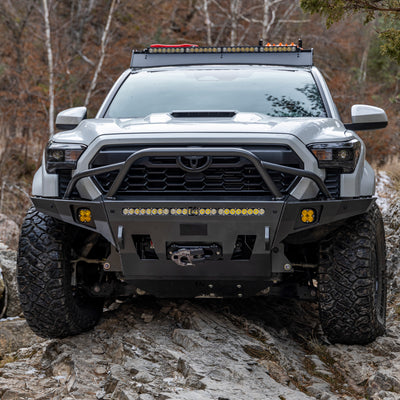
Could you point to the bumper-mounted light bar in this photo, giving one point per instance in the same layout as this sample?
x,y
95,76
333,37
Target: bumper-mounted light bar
x,y
193,211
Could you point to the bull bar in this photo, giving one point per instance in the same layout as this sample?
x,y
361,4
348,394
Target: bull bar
x,y
260,165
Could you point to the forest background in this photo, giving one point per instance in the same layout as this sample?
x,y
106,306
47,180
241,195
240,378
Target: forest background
x,y
57,54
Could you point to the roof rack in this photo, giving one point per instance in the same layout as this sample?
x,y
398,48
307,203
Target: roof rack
x,y
160,55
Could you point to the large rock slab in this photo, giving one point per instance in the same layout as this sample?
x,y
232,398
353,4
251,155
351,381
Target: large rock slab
x,y
14,335
9,232
8,267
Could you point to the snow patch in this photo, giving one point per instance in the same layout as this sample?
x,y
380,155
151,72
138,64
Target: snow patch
x,y
8,319
384,191
32,371
169,381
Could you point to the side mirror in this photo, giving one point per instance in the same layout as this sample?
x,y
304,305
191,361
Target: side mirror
x,y
364,118
70,118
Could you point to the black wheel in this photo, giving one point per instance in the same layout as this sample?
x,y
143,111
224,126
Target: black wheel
x,y
53,302
352,281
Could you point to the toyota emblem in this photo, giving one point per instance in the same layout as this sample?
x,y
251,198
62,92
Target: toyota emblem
x,y
194,163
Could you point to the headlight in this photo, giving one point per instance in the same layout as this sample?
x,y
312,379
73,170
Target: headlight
x,y
62,156
341,155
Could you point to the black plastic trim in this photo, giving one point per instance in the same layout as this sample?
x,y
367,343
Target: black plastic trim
x,y
366,126
203,114
66,127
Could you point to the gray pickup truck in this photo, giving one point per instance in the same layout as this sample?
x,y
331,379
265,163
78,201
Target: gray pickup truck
x,y
208,172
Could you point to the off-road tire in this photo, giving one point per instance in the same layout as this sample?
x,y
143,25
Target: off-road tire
x,y
352,281
52,307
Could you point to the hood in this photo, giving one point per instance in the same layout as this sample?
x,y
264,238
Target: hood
x,y
308,130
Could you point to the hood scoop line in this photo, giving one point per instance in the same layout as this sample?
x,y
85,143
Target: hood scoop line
x,y
203,114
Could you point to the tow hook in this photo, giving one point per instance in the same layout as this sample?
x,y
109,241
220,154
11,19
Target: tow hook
x,y
188,256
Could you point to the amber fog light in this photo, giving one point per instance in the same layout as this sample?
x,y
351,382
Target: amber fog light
x,y
308,215
84,215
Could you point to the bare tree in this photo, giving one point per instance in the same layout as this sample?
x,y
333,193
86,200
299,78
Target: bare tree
x,y
364,59
81,14
207,21
235,8
50,64
15,17
285,19
238,19
269,15
104,40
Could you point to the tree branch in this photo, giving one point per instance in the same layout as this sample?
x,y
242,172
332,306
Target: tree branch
x,y
102,50
374,7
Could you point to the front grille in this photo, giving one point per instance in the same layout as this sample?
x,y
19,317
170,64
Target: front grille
x,y
223,175
63,179
332,182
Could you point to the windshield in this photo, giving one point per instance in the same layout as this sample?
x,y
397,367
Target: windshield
x,y
270,91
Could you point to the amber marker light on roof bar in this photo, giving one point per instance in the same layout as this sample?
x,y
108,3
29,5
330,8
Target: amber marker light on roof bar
x,y
192,211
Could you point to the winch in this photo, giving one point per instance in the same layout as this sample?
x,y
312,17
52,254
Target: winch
x,y
189,255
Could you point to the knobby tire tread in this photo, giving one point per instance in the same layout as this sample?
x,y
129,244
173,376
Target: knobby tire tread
x,y
50,306
346,281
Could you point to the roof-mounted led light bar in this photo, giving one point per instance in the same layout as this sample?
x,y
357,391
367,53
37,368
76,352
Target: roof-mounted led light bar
x,y
190,54
188,48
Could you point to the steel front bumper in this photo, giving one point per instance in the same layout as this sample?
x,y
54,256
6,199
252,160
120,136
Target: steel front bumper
x,y
281,217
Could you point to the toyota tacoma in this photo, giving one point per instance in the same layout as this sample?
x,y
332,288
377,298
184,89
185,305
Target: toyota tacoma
x,y
208,172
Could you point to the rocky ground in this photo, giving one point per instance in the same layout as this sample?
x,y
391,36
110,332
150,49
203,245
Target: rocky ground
x,y
204,349
9,231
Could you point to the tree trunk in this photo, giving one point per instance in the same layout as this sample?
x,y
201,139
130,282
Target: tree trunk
x,y
364,59
234,11
269,16
207,21
50,65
